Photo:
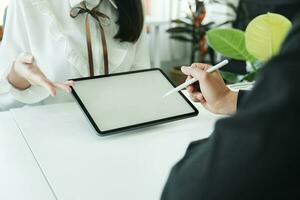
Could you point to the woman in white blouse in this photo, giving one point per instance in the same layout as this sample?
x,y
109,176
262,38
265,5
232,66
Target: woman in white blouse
x,y
47,42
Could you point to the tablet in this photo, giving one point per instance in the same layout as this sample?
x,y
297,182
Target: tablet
x,y
131,100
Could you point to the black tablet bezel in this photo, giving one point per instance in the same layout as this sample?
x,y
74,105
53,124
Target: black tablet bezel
x,y
136,126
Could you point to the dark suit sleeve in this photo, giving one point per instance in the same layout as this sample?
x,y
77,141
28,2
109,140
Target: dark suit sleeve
x,y
254,154
241,95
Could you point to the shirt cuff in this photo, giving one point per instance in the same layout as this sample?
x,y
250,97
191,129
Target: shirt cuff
x,y
31,95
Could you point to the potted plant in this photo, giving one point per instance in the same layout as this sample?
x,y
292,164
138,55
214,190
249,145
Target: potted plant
x,y
261,41
191,30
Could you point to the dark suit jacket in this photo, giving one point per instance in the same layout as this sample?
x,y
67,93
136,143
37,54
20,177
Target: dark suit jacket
x,y
254,154
249,9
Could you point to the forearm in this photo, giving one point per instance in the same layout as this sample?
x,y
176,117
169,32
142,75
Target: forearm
x,y
16,80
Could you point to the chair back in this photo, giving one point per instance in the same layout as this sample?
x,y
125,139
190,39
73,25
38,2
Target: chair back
x,y
2,27
4,17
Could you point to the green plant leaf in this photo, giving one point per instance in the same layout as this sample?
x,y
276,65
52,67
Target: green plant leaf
x,y
182,22
229,77
181,38
265,35
230,43
180,30
249,77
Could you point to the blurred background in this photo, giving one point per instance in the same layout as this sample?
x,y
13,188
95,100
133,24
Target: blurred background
x,y
177,31
165,52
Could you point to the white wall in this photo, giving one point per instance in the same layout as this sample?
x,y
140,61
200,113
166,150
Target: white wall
x,y
164,11
169,9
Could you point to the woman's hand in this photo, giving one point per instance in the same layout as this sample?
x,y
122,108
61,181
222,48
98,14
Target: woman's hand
x,y
25,73
215,96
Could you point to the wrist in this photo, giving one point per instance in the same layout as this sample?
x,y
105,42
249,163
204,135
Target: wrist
x,y
230,103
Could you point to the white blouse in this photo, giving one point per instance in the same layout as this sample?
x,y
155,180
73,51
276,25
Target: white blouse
x,y
45,29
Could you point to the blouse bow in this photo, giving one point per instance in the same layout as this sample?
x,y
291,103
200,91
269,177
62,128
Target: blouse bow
x,y
97,15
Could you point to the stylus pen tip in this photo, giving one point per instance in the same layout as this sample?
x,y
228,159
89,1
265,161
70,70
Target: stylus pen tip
x,y
166,95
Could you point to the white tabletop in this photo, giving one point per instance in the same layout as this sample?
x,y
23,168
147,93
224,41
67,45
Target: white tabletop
x,y
81,165
20,176
78,164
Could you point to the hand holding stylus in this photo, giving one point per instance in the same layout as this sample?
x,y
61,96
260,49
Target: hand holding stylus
x,y
193,80
215,96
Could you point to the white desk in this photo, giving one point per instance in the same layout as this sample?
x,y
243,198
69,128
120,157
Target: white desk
x,y
20,176
81,165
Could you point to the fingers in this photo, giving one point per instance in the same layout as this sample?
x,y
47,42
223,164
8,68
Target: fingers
x,y
70,83
187,71
189,88
201,66
65,86
194,99
52,87
49,86
28,69
196,70
201,98
197,97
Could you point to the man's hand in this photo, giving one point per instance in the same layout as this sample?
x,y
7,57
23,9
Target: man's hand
x,y
215,96
25,73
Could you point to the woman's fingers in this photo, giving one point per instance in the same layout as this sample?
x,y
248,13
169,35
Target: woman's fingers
x,y
65,87
70,83
52,87
49,86
27,69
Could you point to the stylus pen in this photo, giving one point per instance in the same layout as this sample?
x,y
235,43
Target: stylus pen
x,y
193,80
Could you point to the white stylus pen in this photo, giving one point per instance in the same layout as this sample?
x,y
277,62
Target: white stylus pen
x,y
193,80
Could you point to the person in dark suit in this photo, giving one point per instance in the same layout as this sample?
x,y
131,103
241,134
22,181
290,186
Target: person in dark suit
x,y
247,10
255,153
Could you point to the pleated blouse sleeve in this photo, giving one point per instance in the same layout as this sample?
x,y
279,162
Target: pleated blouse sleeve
x,y
15,41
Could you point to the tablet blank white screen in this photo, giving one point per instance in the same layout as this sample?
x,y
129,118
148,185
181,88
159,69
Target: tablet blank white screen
x,y
124,100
